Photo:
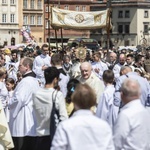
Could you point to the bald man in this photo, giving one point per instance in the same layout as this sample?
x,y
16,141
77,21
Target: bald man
x,y
117,67
87,76
126,72
132,129
113,60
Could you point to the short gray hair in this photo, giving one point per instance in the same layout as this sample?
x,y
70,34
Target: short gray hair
x,y
130,88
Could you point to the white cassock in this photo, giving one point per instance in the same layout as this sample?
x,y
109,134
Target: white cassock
x,y
22,122
38,62
95,83
5,136
3,94
106,110
101,66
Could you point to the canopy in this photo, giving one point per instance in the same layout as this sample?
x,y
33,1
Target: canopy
x,y
79,20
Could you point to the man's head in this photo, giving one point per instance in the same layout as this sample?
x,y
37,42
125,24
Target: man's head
x,y
14,55
122,59
83,97
139,60
45,49
125,69
51,75
130,90
86,70
112,57
129,59
96,56
25,65
56,60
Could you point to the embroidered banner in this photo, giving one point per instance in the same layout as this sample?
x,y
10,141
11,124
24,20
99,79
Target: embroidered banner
x,y
79,20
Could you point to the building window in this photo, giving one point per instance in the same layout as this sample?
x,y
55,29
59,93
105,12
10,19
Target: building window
x,y
32,20
4,1
12,2
120,28
46,24
39,20
25,4
40,40
4,18
127,28
77,8
32,4
12,18
127,14
25,20
120,14
83,8
146,28
66,7
39,4
145,14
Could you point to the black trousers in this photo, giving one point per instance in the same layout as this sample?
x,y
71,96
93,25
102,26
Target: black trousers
x,y
24,143
43,143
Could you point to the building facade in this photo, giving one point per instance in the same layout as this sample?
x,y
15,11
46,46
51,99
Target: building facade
x,y
9,26
74,5
130,23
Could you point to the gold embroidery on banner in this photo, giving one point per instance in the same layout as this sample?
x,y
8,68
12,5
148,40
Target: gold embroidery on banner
x,y
79,18
61,16
97,18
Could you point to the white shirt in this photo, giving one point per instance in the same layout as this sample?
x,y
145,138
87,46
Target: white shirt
x,y
42,103
83,131
132,129
106,110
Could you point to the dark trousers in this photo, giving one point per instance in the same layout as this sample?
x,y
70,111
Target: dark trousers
x,y
24,143
43,143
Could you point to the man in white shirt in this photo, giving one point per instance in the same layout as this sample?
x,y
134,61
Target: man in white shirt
x,y
41,62
132,129
98,66
83,131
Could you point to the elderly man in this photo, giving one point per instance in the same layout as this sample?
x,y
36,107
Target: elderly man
x,y
95,133
126,72
132,130
113,60
87,76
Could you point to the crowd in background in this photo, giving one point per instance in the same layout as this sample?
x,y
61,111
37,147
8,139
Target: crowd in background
x,y
105,95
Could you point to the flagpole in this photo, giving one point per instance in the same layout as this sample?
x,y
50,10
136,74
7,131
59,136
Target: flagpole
x,y
108,26
56,40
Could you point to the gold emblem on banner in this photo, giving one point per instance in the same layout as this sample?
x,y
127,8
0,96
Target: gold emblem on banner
x,y
79,18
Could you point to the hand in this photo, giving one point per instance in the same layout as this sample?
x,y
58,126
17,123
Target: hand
x,y
44,67
97,70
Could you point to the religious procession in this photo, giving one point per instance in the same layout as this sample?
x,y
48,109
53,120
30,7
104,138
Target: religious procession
x,y
74,98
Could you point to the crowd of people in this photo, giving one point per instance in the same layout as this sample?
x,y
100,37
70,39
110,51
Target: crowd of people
x,y
103,99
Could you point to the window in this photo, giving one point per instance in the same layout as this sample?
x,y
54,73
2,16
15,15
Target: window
x,y
120,28
25,4
40,40
146,14
32,4
46,24
32,19
4,18
83,8
146,28
127,28
12,2
39,4
25,20
46,9
39,20
66,7
4,1
12,18
127,14
77,8
120,14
